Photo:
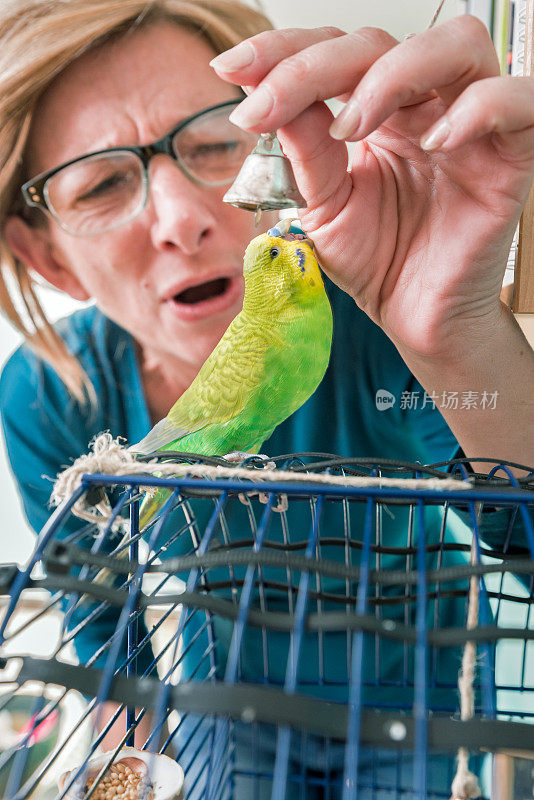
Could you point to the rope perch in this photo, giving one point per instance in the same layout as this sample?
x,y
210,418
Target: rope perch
x,y
109,457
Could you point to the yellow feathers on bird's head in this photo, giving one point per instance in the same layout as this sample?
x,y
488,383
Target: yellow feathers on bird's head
x,y
283,260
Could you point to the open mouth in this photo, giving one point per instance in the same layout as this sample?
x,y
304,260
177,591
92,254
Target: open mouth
x,y
204,300
203,292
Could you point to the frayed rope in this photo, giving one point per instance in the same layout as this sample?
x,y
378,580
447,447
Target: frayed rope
x,y
465,784
110,457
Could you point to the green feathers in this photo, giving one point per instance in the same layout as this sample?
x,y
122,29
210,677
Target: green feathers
x,y
269,361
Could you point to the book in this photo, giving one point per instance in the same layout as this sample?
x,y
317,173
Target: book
x,y
518,36
502,17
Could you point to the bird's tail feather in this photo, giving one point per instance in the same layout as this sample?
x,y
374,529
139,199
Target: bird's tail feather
x,y
151,506
163,433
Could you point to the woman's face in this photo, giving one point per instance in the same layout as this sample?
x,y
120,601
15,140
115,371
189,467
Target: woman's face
x,y
130,92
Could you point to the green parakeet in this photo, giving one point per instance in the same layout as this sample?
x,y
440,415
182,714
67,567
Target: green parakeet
x,y
269,361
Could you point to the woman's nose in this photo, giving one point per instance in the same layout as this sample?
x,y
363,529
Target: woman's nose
x,y
183,215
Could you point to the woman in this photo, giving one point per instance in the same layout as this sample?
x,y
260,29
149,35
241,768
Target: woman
x,y
415,234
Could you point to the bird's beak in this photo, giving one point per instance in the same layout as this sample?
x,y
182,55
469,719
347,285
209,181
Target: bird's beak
x,y
290,230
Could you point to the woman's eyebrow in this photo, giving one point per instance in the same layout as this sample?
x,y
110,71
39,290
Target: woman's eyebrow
x,y
104,146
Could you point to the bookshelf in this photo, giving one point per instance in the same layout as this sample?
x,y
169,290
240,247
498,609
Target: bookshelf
x,y
524,267
511,24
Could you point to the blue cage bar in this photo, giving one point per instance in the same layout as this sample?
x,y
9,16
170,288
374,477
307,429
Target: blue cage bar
x,y
304,643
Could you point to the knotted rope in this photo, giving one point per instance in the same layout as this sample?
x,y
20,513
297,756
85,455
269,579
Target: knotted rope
x,y
109,457
465,784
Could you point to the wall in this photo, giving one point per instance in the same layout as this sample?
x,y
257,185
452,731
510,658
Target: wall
x,y
16,540
399,17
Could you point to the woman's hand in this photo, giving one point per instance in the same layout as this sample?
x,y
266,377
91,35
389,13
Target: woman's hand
x,y
419,227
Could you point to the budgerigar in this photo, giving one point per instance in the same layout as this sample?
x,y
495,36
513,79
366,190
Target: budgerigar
x,y
269,361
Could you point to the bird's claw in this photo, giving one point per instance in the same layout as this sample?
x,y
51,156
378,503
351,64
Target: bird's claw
x,y
238,456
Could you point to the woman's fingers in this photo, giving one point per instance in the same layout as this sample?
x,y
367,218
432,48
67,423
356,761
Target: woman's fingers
x,y
387,75
445,59
318,71
342,222
254,58
503,106
319,162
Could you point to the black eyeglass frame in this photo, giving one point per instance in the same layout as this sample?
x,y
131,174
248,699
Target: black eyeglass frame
x,y
34,190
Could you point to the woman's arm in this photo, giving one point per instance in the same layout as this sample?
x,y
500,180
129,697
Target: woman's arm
x,y
486,392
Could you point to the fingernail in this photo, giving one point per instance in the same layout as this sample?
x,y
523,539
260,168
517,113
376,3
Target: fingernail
x,y
238,57
253,108
435,137
347,121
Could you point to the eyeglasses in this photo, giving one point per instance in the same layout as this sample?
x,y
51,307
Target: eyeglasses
x,y
103,190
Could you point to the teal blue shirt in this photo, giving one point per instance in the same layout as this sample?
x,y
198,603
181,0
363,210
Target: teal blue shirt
x,y
45,429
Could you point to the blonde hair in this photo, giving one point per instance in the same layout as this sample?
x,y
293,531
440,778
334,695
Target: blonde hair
x,y
38,40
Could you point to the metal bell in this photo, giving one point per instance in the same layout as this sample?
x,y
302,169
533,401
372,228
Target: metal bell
x,y
265,181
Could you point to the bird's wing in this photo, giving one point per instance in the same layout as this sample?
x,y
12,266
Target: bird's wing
x,y
221,388
161,434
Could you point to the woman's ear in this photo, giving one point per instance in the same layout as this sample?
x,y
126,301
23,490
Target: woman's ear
x,y
32,246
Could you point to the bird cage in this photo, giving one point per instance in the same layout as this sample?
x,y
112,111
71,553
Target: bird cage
x,y
290,632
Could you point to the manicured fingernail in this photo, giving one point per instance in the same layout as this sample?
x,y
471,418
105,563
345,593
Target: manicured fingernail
x,y
435,137
238,57
253,108
347,120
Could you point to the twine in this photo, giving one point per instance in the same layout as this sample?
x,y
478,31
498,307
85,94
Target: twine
x,y
465,783
436,14
109,457
432,22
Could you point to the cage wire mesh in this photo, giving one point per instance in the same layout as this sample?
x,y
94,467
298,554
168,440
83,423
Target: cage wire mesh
x,y
275,639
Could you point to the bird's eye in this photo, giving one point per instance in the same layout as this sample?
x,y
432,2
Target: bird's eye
x,y
275,251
